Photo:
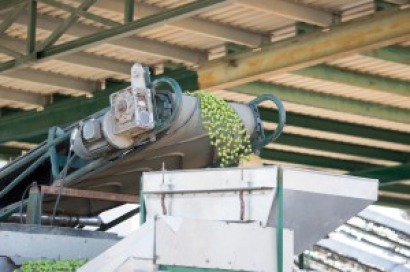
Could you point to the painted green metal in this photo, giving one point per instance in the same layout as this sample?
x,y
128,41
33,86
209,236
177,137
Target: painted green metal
x,y
5,4
304,28
9,152
22,175
356,79
12,208
57,33
393,202
31,27
7,22
128,11
143,214
385,5
55,169
326,101
115,32
129,28
41,153
301,261
81,12
342,147
11,52
279,227
386,174
339,127
372,32
34,205
397,54
313,160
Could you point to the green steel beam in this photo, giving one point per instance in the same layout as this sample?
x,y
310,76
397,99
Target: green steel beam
x,y
393,202
5,4
68,22
343,148
113,33
367,81
129,28
335,126
396,188
128,11
313,160
10,52
386,174
396,54
326,101
79,11
353,37
9,152
10,19
31,27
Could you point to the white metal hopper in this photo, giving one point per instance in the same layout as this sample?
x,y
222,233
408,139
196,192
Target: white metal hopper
x,y
314,203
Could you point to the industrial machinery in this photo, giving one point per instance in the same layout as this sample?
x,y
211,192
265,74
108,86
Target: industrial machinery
x,y
146,148
149,126
234,219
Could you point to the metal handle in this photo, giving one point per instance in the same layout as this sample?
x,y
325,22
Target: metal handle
x,y
261,138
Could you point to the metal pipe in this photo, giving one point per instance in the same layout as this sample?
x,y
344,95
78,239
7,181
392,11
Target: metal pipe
x,y
20,177
61,220
32,155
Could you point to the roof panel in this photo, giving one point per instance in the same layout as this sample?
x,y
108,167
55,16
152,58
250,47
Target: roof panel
x,y
34,87
319,112
247,18
374,66
338,89
335,5
77,71
181,37
120,53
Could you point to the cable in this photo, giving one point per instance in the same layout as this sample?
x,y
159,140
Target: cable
x,y
62,176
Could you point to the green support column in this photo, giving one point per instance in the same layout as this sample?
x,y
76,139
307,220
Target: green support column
x,y
128,11
55,170
34,205
279,226
62,28
143,215
31,27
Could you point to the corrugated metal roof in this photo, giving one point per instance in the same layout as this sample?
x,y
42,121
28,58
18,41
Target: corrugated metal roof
x,y
374,66
247,18
338,89
312,111
257,23
177,36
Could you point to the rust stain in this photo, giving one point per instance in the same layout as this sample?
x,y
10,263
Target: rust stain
x,y
206,79
254,63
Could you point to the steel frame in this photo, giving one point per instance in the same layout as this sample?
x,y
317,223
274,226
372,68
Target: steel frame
x,y
372,32
47,49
